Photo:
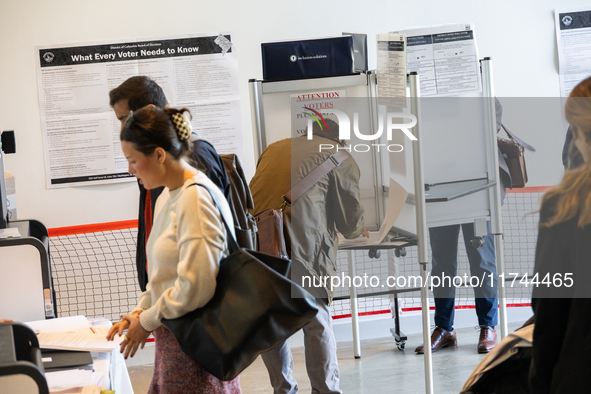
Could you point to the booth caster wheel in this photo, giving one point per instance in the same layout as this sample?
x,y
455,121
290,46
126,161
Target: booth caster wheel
x,y
374,253
400,339
400,252
478,242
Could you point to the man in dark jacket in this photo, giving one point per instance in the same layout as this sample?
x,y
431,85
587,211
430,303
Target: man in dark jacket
x,y
131,95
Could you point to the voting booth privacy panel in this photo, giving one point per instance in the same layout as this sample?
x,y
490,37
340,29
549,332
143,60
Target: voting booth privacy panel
x,y
455,163
279,112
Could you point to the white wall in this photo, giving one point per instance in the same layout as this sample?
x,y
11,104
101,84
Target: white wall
x,y
518,35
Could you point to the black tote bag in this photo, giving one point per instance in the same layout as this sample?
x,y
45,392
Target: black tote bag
x,y
254,308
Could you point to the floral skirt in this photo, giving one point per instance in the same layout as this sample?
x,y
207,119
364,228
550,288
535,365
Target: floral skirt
x,y
175,372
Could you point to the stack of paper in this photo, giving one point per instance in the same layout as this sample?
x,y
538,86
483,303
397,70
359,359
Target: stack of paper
x,y
82,334
73,333
66,324
71,381
92,340
9,233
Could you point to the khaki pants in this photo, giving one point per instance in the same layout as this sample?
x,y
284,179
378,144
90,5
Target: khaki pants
x,y
321,358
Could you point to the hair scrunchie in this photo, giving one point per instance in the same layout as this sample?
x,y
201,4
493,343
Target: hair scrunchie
x,y
181,125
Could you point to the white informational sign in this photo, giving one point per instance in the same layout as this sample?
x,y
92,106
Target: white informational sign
x,y
309,105
573,36
391,69
446,58
80,131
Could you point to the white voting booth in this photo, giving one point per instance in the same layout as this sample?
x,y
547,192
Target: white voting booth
x,y
462,189
472,194
271,106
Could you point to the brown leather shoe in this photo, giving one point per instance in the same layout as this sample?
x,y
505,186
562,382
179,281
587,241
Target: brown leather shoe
x,y
487,339
440,339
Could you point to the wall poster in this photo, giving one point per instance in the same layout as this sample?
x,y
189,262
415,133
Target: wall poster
x,y
80,131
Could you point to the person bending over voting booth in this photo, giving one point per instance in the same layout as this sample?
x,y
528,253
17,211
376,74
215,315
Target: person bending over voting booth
x,y
311,224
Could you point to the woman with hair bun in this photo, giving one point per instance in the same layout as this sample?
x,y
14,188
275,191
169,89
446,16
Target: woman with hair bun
x,y
184,248
562,294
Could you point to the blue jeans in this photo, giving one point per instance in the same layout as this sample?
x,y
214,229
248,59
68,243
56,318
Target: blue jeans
x,y
444,248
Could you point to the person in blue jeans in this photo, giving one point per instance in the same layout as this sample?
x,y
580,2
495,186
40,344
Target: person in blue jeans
x,y
444,249
444,246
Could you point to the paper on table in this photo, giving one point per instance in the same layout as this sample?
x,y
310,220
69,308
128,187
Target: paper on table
x,y
83,340
9,233
396,199
62,324
65,380
101,371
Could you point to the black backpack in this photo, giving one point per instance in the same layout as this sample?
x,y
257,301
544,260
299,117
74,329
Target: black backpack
x,y
240,202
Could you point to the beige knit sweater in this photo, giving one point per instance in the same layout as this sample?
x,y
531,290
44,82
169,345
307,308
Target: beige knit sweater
x,y
186,243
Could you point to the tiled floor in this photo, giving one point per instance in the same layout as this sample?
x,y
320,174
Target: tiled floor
x,y
381,369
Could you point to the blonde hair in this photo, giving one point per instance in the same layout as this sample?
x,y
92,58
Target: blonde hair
x,y
573,195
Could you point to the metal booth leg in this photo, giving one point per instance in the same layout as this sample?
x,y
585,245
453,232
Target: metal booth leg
x,y
354,311
499,250
397,333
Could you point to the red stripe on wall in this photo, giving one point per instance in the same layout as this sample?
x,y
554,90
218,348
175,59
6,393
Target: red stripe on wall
x,y
387,311
363,314
519,305
92,228
463,307
533,189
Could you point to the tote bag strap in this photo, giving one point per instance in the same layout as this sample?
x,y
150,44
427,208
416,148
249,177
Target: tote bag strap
x,y
231,241
518,140
313,177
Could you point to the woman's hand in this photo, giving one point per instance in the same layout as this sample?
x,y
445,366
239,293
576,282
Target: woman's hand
x,y
136,335
118,327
